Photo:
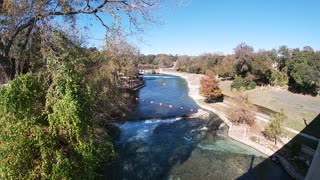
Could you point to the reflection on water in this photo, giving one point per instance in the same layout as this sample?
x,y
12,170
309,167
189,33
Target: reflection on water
x,y
179,148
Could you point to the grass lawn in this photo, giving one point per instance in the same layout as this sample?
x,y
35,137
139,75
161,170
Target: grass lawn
x,y
298,106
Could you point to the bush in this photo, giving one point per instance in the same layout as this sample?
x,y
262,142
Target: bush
x,y
243,83
22,127
251,85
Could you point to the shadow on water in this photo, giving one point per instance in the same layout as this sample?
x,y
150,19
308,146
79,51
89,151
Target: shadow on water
x,y
295,157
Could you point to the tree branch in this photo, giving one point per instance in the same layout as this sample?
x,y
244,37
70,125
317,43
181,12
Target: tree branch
x,y
101,21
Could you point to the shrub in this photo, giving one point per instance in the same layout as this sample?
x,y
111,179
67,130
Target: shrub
x,y
243,83
251,85
22,127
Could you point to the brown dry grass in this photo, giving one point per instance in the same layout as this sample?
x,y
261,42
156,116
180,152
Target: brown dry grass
x,y
296,105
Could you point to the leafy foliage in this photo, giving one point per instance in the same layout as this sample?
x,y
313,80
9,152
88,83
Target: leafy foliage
x,y
262,66
299,69
244,56
279,78
210,86
304,71
51,116
226,67
243,112
48,122
275,127
47,130
198,64
22,127
242,83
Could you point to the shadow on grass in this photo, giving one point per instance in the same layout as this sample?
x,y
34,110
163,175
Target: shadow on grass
x,y
295,157
312,91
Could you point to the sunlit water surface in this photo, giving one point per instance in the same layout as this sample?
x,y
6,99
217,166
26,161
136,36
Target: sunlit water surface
x,y
156,142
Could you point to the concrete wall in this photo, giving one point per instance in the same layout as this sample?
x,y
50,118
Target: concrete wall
x,y
314,170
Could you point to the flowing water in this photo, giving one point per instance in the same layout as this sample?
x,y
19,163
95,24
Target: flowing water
x,y
158,142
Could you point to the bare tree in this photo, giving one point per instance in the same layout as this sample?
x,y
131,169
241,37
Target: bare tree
x,y
123,56
23,22
243,112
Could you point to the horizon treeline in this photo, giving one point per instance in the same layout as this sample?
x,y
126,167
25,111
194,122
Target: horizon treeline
x,y
297,68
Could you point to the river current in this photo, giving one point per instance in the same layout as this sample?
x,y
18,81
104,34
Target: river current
x,y
158,142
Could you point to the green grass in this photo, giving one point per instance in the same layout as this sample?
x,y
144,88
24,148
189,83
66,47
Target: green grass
x,y
295,125
226,89
270,100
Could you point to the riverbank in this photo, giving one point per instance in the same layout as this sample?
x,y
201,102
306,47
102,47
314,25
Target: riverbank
x,y
238,133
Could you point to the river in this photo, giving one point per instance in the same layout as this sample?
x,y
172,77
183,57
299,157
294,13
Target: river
x,y
158,142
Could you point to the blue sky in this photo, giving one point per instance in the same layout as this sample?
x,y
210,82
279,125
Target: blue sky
x,y
208,26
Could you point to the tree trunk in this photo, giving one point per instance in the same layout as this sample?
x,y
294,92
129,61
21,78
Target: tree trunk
x,y
7,67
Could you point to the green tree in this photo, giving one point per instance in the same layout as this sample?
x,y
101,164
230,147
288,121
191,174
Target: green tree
x,y
51,122
279,78
305,77
226,67
262,66
240,83
275,128
284,57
